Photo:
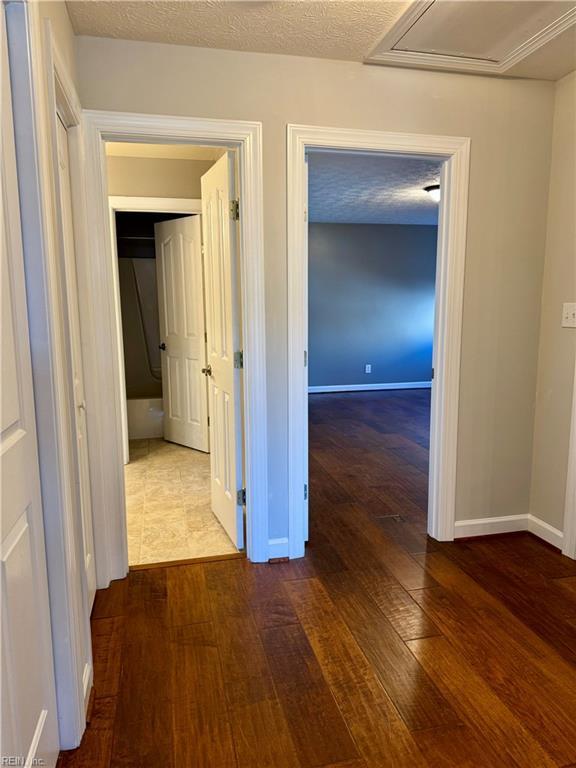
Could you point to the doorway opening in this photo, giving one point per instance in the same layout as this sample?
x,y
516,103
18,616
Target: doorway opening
x,y
178,319
372,249
453,155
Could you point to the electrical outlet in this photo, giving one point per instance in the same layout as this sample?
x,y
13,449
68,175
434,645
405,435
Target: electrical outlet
x,y
368,368
569,315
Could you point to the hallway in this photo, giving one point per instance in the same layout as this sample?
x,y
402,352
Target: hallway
x,y
379,648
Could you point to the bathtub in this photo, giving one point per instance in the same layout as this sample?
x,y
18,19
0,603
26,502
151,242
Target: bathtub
x,y
145,418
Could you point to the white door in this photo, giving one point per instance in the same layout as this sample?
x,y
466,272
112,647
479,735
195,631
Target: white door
x,y
29,727
222,326
182,331
69,265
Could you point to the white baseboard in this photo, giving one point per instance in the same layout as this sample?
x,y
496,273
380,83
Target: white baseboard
x,y
545,531
278,547
508,524
484,526
369,387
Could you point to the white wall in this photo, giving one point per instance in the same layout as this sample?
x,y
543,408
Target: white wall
x,y
509,122
557,345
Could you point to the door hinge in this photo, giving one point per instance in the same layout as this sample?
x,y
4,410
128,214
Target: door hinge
x,y
241,497
432,373
305,214
305,491
206,336
305,358
239,359
234,210
208,420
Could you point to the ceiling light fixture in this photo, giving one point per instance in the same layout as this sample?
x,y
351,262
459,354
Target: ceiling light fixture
x,y
434,192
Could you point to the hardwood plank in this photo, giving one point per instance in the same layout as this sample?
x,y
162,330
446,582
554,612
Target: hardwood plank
x,y
380,735
318,730
260,731
96,746
261,737
347,764
245,670
187,595
456,581
111,601
568,583
93,752
479,704
232,664
143,733
401,610
202,732
417,699
458,747
402,566
107,639
530,595
514,674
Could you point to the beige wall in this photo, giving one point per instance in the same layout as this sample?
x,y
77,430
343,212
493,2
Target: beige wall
x,y
155,177
55,11
510,124
557,345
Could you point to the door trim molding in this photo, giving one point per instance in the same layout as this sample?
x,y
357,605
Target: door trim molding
x,y
448,322
569,541
41,86
98,293
128,204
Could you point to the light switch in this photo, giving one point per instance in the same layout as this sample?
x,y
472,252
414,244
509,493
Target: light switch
x,y
368,368
569,315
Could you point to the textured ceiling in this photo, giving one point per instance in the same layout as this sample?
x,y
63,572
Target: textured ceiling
x,y
332,29
354,188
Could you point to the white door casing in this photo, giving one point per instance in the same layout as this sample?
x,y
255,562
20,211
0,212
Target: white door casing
x,y
29,728
182,331
96,265
223,340
79,397
455,151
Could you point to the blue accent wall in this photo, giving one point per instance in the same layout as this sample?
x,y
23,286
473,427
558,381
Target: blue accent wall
x,y
371,300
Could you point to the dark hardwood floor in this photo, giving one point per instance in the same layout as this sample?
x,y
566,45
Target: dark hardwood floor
x,y
380,648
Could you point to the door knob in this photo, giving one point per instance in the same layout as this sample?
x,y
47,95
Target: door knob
x,y
162,346
207,371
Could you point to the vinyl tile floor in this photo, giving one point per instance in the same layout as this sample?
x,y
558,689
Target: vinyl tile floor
x,y
168,506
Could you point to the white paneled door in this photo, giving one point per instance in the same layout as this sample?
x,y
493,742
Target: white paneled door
x,y
76,365
222,325
29,730
182,331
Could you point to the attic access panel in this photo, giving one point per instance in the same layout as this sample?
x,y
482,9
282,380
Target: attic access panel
x,y
485,36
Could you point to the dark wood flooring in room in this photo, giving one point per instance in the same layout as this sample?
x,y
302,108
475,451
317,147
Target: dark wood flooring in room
x,y
380,648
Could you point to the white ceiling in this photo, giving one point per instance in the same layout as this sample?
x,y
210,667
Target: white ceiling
x,y
352,30
364,188
166,151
